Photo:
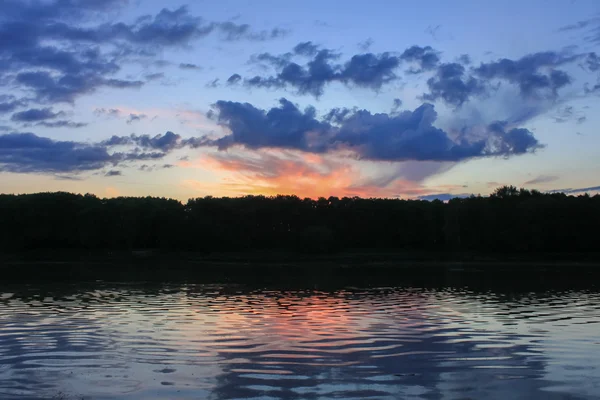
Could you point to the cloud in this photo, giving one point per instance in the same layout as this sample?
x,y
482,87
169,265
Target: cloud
x,y
113,173
308,49
66,88
567,114
579,24
234,79
426,58
213,84
36,114
533,73
541,179
591,25
272,172
232,31
61,124
397,105
117,113
443,196
135,118
452,85
30,153
67,178
362,70
536,75
110,112
9,103
407,135
27,152
154,76
575,191
190,66
58,50
366,44
464,59
165,142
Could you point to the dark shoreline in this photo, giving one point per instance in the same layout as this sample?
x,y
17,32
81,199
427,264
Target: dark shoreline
x,y
303,269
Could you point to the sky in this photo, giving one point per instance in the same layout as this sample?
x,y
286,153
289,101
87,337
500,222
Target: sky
x,y
230,98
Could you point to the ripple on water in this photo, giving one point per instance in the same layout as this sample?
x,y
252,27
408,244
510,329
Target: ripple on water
x,y
224,342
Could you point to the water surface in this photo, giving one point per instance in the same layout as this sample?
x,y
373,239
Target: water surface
x,y
123,341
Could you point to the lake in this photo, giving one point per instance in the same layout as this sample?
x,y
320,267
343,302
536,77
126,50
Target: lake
x,y
191,341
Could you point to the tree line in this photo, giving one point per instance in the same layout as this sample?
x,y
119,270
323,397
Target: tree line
x,y
510,220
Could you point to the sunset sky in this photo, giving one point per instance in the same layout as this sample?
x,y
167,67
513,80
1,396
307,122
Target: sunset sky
x,y
315,98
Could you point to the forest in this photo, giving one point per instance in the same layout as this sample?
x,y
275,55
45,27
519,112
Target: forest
x,y
510,220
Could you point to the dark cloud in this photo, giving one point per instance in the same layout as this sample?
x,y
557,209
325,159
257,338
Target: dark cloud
x,y
533,73
56,50
213,84
113,173
233,31
140,156
591,62
167,28
426,58
370,70
284,127
278,61
580,25
363,70
67,178
591,27
135,118
575,191
155,76
443,196
36,114
9,103
589,90
61,124
48,88
568,114
30,153
110,112
366,45
308,49
453,85
433,31
407,135
234,79
190,66
168,166
27,152
397,105
563,114
509,141
541,179
165,143
464,59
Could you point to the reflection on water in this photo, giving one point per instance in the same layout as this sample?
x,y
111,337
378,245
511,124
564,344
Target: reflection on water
x,y
225,342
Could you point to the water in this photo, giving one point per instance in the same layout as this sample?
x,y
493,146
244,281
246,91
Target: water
x,y
118,341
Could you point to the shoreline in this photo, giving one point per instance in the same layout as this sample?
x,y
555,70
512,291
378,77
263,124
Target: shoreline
x,y
290,269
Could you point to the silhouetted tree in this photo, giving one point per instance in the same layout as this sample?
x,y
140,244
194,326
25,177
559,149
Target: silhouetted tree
x,y
510,220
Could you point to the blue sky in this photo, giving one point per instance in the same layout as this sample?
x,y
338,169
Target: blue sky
x,y
379,98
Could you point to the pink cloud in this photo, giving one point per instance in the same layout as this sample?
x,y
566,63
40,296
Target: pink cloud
x,y
272,172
